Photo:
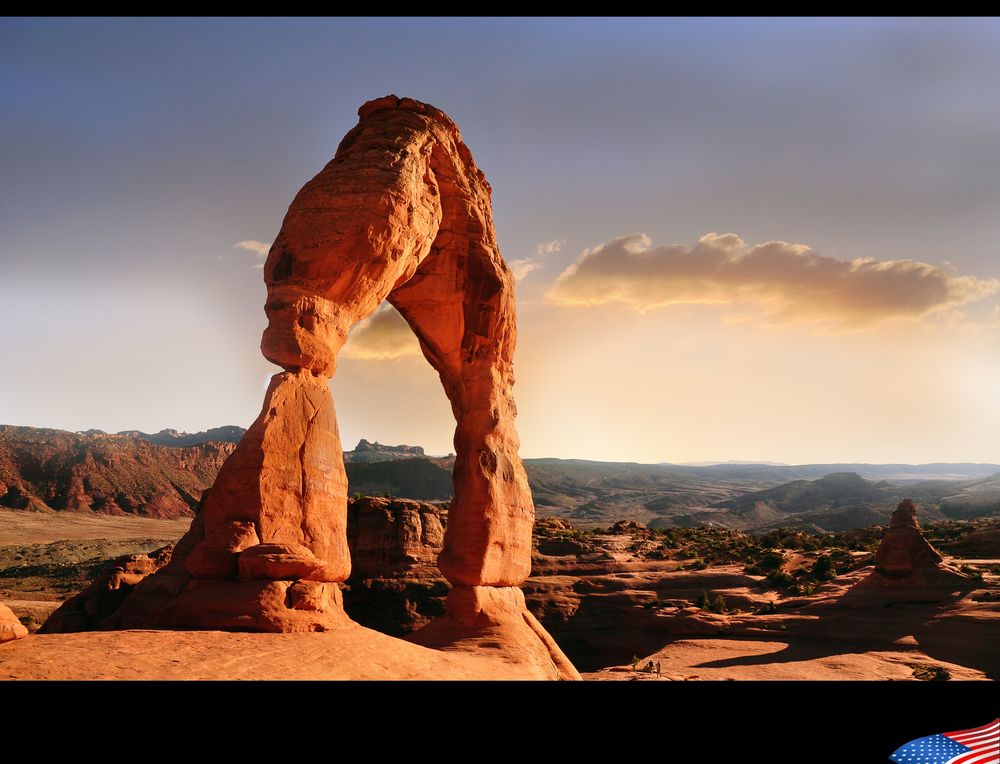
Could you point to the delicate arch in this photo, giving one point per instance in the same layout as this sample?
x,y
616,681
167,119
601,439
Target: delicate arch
x,y
402,214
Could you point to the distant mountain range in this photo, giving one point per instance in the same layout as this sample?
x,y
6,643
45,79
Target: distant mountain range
x,y
845,500
163,475
228,434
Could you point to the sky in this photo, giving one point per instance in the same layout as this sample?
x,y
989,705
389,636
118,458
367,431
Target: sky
x,y
748,239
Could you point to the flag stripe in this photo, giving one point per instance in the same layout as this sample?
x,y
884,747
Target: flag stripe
x,y
983,744
992,726
971,738
978,757
975,739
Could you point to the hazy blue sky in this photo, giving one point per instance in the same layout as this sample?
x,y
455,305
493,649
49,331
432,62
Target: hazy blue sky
x,y
135,155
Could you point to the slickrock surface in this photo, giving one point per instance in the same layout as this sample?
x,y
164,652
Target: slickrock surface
x,y
351,652
839,632
10,626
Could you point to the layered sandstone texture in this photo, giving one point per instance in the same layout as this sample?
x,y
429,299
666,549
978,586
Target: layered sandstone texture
x,y
402,214
904,554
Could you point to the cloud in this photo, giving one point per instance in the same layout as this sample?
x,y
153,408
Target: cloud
x,y
785,283
258,248
521,268
524,266
383,335
550,247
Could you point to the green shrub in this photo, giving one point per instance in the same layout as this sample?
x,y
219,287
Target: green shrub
x,y
771,561
708,604
780,578
824,569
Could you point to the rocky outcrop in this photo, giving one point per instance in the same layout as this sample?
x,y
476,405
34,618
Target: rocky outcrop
x,y
42,470
90,608
983,543
402,214
904,552
388,537
10,626
377,452
395,585
416,478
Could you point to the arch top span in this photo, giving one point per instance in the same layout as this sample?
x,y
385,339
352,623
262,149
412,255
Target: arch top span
x,y
401,187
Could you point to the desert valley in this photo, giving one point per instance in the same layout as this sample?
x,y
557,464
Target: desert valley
x,y
712,572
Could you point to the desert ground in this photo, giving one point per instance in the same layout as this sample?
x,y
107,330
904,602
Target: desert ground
x,y
611,598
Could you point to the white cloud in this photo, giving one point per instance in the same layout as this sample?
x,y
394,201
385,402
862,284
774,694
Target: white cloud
x,y
524,266
258,248
550,247
784,283
521,268
383,335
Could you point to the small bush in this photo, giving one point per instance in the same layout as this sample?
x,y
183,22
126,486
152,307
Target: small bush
x,y
771,561
780,578
706,603
824,569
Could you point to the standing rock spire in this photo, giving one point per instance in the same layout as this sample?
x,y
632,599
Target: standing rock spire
x,y
904,552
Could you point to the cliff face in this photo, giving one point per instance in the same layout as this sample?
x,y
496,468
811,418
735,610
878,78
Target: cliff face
x,y
395,585
43,470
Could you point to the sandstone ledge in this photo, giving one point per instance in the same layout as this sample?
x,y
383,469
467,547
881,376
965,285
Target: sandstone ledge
x,y
352,652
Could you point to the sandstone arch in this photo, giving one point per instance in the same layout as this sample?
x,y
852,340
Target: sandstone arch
x,y
402,214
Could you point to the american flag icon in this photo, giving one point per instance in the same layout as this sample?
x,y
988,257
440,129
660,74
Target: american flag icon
x,y
976,746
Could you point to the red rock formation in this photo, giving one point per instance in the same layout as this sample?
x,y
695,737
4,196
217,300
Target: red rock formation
x,y
904,551
88,609
391,536
402,214
43,470
10,626
395,585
